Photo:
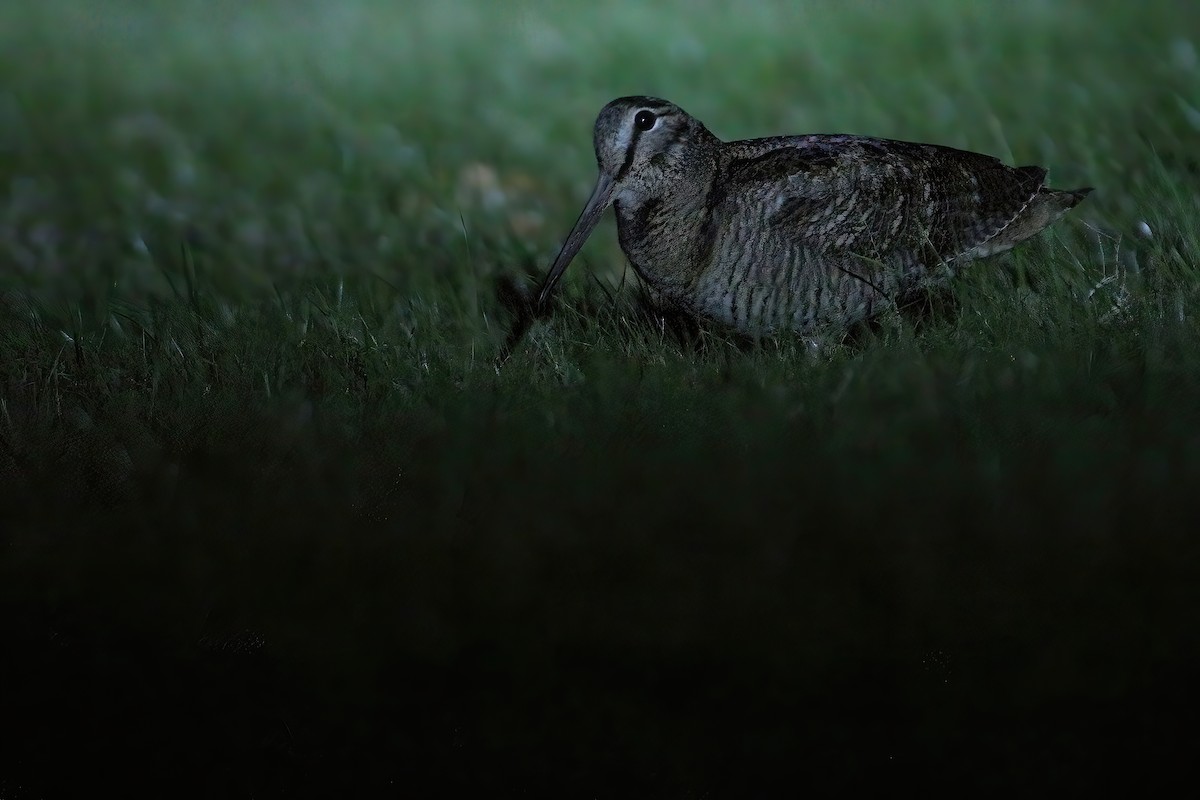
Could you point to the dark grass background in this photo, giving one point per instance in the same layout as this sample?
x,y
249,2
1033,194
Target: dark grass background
x,y
273,524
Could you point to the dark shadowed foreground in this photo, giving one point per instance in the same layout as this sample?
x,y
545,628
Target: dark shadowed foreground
x,y
681,588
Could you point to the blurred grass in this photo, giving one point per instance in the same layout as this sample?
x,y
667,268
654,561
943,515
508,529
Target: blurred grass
x,y
265,498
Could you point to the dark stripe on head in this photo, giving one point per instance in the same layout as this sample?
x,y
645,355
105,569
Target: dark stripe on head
x,y
629,153
660,108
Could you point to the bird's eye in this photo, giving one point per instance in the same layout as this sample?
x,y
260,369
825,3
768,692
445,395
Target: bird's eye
x,y
644,120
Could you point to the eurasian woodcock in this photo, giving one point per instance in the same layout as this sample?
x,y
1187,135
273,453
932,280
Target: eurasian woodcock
x,y
797,232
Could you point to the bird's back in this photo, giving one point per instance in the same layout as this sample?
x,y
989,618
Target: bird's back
x,y
807,230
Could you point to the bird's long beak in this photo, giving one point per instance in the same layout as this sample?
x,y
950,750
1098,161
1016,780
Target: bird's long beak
x,y
596,204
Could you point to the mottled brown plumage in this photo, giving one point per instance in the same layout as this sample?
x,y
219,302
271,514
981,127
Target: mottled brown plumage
x,y
797,232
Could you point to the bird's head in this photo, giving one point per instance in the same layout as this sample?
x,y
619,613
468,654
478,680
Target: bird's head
x,y
642,145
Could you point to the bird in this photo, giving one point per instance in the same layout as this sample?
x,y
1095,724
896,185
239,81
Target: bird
x,y
796,233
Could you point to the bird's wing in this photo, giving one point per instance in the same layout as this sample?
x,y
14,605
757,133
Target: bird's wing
x,y
876,198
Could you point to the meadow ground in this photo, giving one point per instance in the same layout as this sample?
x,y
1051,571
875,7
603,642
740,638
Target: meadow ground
x,y
273,523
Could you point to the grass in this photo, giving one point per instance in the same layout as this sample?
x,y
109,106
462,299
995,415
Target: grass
x,y
274,524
